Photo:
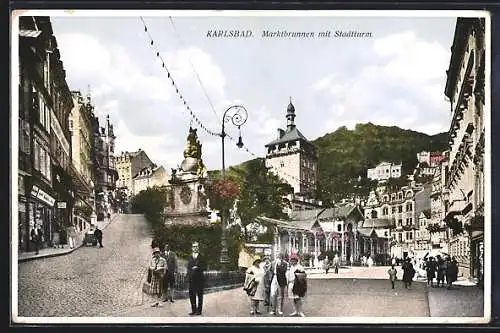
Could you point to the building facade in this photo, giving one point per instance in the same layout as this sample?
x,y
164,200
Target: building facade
x,y
432,159
293,158
104,168
45,184
436,226
80,124
403,206
148,177
384,171
128,165
465,182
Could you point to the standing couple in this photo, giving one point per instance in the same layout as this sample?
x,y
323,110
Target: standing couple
x,y
286,279
164,266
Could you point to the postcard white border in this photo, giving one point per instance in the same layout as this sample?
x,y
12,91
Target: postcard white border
x,y
252,320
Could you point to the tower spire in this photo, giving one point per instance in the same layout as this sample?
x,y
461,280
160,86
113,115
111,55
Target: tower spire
x,y
290,116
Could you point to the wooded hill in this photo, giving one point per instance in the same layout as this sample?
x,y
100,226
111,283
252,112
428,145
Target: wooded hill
x,y
345,155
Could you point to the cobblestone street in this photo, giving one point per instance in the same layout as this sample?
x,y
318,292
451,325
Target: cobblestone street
x,y
354,292
106,282
90,281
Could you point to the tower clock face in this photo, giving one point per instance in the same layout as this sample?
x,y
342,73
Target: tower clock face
x,y
186,195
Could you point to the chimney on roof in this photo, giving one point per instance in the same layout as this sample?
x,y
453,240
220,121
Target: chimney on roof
x,y
280,133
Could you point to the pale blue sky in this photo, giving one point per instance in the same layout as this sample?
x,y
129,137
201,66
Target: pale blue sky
x,y
397,77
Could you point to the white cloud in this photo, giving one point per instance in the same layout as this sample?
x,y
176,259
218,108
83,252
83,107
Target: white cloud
x,y
144,106
403,87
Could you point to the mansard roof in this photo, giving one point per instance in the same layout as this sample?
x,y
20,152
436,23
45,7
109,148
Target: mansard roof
x,y
340,212
292,135
306,215
378,223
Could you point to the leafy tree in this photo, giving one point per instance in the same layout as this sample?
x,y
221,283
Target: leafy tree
x,y
262,194
346,154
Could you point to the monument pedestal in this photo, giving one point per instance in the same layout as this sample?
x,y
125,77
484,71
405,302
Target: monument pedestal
x,y
186,199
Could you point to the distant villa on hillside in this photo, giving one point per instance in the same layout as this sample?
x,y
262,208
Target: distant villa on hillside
x,y
384,171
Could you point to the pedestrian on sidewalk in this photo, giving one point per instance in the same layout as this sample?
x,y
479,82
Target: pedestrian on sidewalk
x,y
392,275
369,261
430,270
254,285
326,264
268,278
169,279
297,284
440,270
451,271
98,235
71,236
408,273
278,285
36,237
336,263
158,265
196,279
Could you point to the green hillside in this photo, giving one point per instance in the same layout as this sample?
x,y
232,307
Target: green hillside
x,y
344,155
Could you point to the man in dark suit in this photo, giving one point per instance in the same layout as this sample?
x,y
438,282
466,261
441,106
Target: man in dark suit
x,y
98,235
36,238
169,278
196,278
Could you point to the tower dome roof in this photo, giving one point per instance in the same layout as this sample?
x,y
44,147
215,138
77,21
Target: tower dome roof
x,y
290,108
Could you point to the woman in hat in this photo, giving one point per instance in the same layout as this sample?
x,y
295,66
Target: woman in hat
x,y
256,290
297,284
158,266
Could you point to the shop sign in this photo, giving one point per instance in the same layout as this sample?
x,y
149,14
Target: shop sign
x,y
61,204
45,198
34,191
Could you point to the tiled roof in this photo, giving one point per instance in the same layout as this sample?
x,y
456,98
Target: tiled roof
x,y
368,232
292,135
339,212
378,223
309,214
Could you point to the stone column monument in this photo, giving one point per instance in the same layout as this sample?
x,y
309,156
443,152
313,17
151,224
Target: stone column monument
x,y
186,199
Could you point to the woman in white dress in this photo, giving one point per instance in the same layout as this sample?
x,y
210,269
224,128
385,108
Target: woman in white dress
x,y
256,272
294,268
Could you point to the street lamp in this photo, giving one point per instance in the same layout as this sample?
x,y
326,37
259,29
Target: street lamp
x,y
238,115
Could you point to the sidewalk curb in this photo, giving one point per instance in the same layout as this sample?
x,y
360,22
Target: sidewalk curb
x,y
51,255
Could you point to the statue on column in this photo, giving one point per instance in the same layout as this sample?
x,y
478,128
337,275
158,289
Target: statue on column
x,y
192,154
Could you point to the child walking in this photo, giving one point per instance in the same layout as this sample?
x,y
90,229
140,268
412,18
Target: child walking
x,y
392,275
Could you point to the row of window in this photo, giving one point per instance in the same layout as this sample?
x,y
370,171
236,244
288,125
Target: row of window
x,y
397,209
399,236
409,221
43,110
42,160
399,196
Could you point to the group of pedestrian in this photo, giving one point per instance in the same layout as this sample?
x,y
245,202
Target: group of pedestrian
x,y
367,261
441,269
162,271
335,263
270,282
408,273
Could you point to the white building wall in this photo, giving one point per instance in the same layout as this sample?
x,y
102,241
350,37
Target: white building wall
x,y
286,167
